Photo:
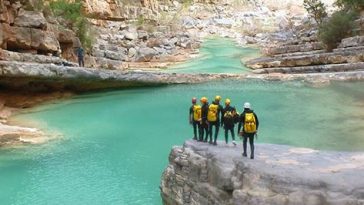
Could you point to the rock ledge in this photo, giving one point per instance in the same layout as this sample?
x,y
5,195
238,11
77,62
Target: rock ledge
x,y
199,173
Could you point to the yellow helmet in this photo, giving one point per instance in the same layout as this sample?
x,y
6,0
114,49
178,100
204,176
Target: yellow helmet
x,y
203,100
218,97
227,101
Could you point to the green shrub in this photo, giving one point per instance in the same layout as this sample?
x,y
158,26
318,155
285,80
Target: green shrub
x,y
316,9
76,21
350,4
339,26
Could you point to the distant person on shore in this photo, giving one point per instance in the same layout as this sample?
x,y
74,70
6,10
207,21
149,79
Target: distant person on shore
x,y
204,123
228,120
249,120
213,118
80,55
195,119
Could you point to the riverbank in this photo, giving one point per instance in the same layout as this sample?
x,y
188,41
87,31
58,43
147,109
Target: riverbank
x,y
18,133
199,173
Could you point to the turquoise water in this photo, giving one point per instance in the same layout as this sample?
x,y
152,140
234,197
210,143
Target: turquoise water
x,y
218,55
115,145
112,147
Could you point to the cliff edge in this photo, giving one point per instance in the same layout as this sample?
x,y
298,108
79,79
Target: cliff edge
x,y
199,173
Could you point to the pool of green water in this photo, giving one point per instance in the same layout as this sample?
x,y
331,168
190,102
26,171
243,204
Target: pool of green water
x,y
112,147
218,55
115,145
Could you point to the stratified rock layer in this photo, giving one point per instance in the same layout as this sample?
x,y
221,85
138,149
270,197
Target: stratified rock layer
x,y
199,173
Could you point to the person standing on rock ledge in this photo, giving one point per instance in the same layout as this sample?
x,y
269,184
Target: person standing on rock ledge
x,y
80,55
195,119
249,120
213,117
204,123
228,120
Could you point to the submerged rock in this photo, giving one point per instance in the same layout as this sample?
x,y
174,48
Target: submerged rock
x,y
199,173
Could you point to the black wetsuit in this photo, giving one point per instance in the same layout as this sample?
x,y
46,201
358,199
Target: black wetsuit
x,y
196,125
247,136
204,124
229,122
215,123
80,54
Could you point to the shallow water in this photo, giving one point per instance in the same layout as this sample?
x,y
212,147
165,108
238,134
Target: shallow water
x,y
218,55
115,145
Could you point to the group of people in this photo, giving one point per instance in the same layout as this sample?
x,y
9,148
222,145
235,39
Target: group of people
x,y
206,116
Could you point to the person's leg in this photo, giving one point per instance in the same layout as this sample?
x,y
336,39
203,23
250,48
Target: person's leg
x,y
194,125
245,139
233,135
251,141
206,129
217,126
83,63
79,61
210,131
200,132
226,134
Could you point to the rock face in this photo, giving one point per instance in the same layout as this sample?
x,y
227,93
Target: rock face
x,y
28,31
199,173
51,77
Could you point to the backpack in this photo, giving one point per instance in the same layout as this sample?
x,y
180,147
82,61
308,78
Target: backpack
x,y
228,115
196,112
250,125
212,113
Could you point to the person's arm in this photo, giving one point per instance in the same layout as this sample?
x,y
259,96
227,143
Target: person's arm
x,y
240,123
256,121
190,115
222,111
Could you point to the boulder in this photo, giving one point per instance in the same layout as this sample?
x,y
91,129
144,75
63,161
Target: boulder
x,y
224,22
31,19
130,35
188,22
44,41
66,36
101,9
145,54
20,38
5,29
115,55
23,38
154,42
143,34
132,52
352,42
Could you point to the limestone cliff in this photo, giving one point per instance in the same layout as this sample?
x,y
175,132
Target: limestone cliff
x,y
199,173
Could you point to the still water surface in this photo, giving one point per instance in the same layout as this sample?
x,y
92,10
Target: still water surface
x,y
115,145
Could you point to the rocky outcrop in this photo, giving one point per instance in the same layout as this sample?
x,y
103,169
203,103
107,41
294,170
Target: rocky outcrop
x,y
119,43
120,10
307,57
199,173
24,29
50,77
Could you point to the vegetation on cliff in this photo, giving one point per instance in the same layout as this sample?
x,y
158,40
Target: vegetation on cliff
x,y
75,20
340,25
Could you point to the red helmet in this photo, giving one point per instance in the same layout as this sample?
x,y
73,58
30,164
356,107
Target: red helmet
x,y
194,100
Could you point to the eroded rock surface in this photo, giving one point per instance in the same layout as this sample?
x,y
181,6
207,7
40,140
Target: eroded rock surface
x,y
199,173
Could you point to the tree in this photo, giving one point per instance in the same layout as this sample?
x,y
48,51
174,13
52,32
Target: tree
x,y
350,4
339,26
316,9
